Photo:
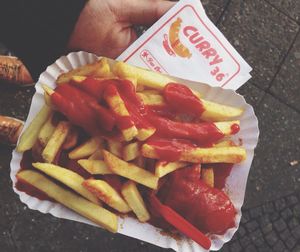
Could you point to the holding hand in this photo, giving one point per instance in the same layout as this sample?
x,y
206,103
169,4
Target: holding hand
x,y
106,27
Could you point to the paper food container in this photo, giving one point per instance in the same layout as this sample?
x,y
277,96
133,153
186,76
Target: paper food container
x,y
235,184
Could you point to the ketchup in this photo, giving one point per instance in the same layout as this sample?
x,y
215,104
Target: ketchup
x,y
235,128
181,99
209,209
221,172
138,111
93,86
123,122
170,149
72,165
23,186
205,134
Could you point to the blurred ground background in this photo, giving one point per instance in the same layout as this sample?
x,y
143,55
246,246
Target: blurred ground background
x,y
266,33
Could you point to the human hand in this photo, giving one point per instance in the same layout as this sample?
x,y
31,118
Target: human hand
x,y
104,27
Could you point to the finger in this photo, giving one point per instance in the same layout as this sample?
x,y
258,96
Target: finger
x,y
145,12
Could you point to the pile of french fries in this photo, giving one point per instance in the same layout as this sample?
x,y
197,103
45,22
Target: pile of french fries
x,y
46,138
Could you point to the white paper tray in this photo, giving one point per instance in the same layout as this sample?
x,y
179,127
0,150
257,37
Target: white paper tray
x,y
235,185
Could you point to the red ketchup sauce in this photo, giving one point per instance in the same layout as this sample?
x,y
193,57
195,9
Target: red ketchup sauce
x,y
113,180
204,134
221,172
82,109
170,149
123,122
71,110
72,165
93,86
181,99
209,209
138,111
235,128
23,186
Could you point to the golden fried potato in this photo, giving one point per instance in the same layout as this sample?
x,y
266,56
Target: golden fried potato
x,y
86,149
152,99
115,147
116,104
46,131
67,177
226,127
91,211
214,112
47,95
218,112
163,168
207,175
130,151
31,133
100,68
134,199
130,171
145,133
144,77
72,139
107,194
225,143
56,141
94,167
203,155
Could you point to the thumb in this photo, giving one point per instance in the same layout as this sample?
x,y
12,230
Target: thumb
x,y
145,12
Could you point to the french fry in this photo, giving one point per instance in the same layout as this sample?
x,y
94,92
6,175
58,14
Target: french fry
x,y
134,199
218,112
48,91
207,175
94,167
130,171
107,194
79,79
104,71
130,151
145,133
213,111
91,211
47,95
67,177
203,155
144,77
151,99
46,131
117,105
56,141
163,168
71,140
30,135
100,68
226,127
47,99
86,149
97,155
225,143
115,147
